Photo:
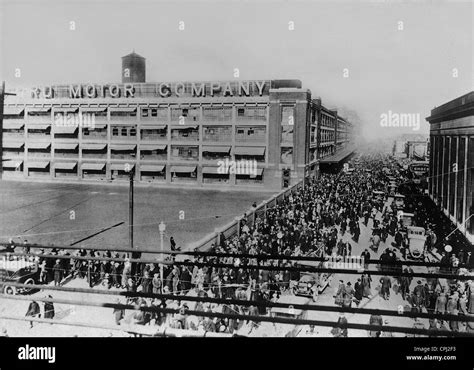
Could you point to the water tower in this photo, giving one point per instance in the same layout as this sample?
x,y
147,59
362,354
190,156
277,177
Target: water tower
x,y
133,68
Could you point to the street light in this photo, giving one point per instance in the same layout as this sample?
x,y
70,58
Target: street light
x,y
162,228
131,172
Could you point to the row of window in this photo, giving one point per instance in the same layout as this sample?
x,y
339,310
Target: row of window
x,y
209,133
176,113
150,173
327,121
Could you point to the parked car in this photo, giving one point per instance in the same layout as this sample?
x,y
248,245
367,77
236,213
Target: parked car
x,y
20,271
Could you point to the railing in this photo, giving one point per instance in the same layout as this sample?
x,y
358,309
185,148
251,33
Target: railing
x,y
233,227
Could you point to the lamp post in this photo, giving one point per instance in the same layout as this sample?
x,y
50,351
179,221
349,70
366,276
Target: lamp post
x,y
131,172
161,228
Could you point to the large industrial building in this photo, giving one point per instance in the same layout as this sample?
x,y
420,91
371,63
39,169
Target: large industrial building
x,y
451,184
171,133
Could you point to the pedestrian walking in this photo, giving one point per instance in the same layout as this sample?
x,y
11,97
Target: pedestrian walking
x,y
33,311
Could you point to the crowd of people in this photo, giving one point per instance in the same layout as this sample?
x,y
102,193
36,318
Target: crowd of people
x,y
311,221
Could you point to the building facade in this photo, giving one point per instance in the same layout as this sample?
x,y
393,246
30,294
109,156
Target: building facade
x,y
267,134
451,154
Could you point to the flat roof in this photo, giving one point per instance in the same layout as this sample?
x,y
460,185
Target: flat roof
x,y
339,156
462,106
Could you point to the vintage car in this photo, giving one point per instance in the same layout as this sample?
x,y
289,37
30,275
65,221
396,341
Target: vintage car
x,y
268,329
311,284
416,242
17,271
405,218
399,201
307,286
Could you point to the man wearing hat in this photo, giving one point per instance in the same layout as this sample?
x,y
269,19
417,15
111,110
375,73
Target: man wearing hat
x,y
349,293
57,272
386,285
420,290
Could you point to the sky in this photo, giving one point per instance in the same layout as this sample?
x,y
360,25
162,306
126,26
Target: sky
x,y
355,55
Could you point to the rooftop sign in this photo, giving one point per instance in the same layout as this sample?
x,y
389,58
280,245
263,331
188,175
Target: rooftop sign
x,y
140,90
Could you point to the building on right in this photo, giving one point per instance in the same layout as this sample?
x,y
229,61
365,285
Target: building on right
x,y
451,181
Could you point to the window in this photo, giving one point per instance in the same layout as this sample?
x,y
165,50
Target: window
x,y
250,132
133,131
86,132
115,131
144,112
185,112
240,132
240,112
124,131
287,155
217,113
154,112
287,116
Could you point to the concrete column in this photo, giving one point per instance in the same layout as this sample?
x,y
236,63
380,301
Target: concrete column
x,y
442,170
465,210
448,173
455,174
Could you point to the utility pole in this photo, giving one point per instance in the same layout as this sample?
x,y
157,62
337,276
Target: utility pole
x,y
131,172
162,229
136,267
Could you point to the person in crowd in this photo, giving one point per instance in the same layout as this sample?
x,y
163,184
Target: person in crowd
x,y
119,313
340,330
348,295
33,311
358,291
57,273
365,255
452,308
366,283
378,321
386,284
49,309
339,297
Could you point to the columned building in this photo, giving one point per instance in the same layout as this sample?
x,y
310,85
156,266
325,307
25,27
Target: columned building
x,y
451,184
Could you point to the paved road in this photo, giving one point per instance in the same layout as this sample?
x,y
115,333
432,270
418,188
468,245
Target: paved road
x,y
375,302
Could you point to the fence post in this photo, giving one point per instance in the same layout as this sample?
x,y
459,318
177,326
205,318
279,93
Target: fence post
x,y
218,236
237,220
